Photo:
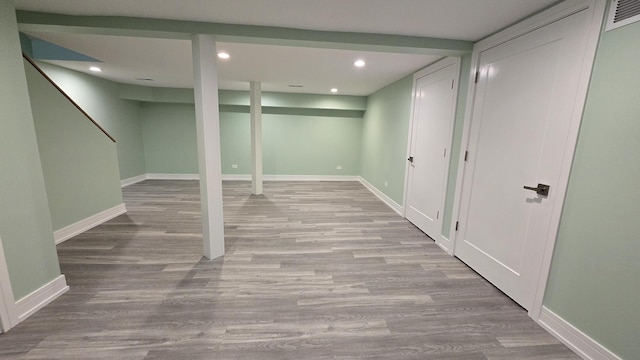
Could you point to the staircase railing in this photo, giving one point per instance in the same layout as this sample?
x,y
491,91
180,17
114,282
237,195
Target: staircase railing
x,y
66,96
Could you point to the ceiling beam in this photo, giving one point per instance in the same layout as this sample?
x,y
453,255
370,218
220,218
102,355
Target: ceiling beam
x,y
235,33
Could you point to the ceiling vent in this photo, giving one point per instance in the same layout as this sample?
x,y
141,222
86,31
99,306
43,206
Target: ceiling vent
x,y
623,12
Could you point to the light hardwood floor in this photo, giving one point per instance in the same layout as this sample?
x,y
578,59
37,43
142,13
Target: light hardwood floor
x,y
314,270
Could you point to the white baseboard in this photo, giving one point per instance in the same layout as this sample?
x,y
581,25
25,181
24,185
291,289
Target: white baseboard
x,y
173,176
133,180
444,244
244,177
382,196
41,297
81,226
241,177
236,177
310,178
572,337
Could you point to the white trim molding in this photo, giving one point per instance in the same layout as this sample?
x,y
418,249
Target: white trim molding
x,y
445,244
133,180
245,177
382,196
81,226
311,178
573,338
239,177
153,176
593,32
236,177
41,297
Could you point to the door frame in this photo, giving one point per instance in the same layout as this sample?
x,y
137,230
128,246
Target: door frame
x,y
596,8
8,310
430,69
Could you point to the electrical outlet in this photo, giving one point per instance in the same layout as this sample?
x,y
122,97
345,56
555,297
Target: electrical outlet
x,y
339,167
234,166
386,184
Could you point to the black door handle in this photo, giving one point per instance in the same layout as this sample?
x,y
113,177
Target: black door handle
x,y
410,159
542,189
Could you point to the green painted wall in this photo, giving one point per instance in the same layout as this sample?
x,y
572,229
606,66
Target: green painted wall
x,y
463,84
292,144
25,222
121,118
235,143
156,94
596,264
310,145
169,133
79,163
384,137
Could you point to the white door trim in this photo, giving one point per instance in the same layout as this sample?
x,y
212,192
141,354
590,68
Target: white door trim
x,y
8,310
439,65
560,11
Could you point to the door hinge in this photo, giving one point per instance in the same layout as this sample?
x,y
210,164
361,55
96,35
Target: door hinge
x,y
445,152
452,82
457,224
466,155
477,76
438,215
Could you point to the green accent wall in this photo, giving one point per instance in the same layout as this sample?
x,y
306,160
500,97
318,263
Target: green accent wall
x,y
385,134
596,264
310,145
120,118
25,222
169,133
80,164
292,144
235,143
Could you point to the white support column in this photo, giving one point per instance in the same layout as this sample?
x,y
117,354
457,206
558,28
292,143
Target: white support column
x,y
208,135
256,136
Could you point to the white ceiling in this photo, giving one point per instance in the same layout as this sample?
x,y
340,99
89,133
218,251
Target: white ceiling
x,y
168,62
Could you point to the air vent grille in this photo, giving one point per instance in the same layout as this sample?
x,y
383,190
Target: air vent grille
x,y
623,12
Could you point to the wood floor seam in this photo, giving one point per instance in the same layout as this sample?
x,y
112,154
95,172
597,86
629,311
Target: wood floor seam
x,y
313,270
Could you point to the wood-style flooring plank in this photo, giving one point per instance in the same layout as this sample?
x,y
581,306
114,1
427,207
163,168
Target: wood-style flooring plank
x,y
313,270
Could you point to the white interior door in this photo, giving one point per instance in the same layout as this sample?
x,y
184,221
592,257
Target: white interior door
x,y
520,122
432,124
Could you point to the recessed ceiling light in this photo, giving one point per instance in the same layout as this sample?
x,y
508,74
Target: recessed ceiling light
x,y
359,63
223,55
334,90
95,68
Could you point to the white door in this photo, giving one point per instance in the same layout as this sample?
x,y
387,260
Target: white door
x,y
432,124
522,110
